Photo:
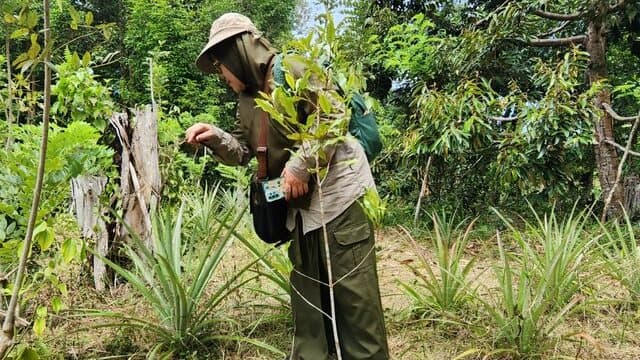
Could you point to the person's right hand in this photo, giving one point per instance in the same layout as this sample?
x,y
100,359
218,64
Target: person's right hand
x,y
201,133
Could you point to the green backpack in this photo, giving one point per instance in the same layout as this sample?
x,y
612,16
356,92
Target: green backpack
x,y
362,124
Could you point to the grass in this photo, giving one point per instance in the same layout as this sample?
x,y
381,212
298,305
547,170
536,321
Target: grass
x,y
621,255
506,315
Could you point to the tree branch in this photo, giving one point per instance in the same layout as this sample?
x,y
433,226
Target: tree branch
x,y
556,30
620,147
503,119
556,16
18,320
572,40
616,183
617,117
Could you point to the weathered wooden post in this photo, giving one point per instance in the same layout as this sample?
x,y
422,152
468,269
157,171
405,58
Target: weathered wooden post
x,y
632,195
85,194
139,171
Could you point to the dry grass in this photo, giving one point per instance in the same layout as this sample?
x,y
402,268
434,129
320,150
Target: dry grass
x,y
602,330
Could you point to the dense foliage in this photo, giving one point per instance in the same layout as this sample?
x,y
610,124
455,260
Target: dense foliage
x,y
502,118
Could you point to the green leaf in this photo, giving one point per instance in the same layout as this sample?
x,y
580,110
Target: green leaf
x,y
86,58
32,19
40,324
467,125
35,48
29,354
69,250
88,18
324,102
56,304
331,29
43,236
75,18
9,19
19,33
62,287
291,82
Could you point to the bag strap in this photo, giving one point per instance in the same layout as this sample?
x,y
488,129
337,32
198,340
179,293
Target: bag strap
x,y
262,151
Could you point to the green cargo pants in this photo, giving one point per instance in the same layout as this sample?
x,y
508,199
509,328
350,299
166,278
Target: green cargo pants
x,y
360,321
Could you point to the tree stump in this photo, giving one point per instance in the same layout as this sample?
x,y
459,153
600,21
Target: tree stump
x,y
139,172
85,195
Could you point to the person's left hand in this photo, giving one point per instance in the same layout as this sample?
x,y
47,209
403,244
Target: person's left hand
x,y
292,186
202,133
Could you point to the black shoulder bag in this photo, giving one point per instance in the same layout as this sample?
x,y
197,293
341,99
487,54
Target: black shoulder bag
x,y
269,216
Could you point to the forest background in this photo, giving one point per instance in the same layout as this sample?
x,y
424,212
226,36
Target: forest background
x,y
521,115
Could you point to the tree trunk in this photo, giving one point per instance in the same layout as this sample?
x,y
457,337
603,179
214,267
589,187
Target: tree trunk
x,y
632,195
85,193
606,155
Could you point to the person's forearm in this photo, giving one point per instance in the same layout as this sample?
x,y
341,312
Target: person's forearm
x,y
228,149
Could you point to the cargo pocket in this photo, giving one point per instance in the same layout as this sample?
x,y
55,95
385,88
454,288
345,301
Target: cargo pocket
x,y
352,245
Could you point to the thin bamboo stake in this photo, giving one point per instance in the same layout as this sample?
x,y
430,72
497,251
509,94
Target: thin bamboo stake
x,y
9,106
332,299
153,99
616,183
423,190
8,327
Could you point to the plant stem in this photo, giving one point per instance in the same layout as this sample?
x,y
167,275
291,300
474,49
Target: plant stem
x,y
8,327
153,100
9,105
423,191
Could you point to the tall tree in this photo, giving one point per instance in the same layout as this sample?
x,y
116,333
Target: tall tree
x,y
511,45
595,17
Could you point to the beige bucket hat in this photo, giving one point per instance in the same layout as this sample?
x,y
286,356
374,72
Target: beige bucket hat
x,y
224,27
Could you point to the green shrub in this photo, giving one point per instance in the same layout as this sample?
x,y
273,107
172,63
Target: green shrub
x,y
72,151
553,267
445,290
188,311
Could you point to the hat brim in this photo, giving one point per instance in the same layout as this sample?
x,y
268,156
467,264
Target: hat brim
x,y
203,61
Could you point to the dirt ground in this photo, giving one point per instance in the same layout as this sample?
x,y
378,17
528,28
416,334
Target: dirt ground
x,y
599,334
595,336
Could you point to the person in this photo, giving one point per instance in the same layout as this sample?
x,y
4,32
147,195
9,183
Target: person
x,y
243,58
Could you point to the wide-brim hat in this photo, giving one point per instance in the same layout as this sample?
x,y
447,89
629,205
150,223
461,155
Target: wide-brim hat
x,y
223,28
